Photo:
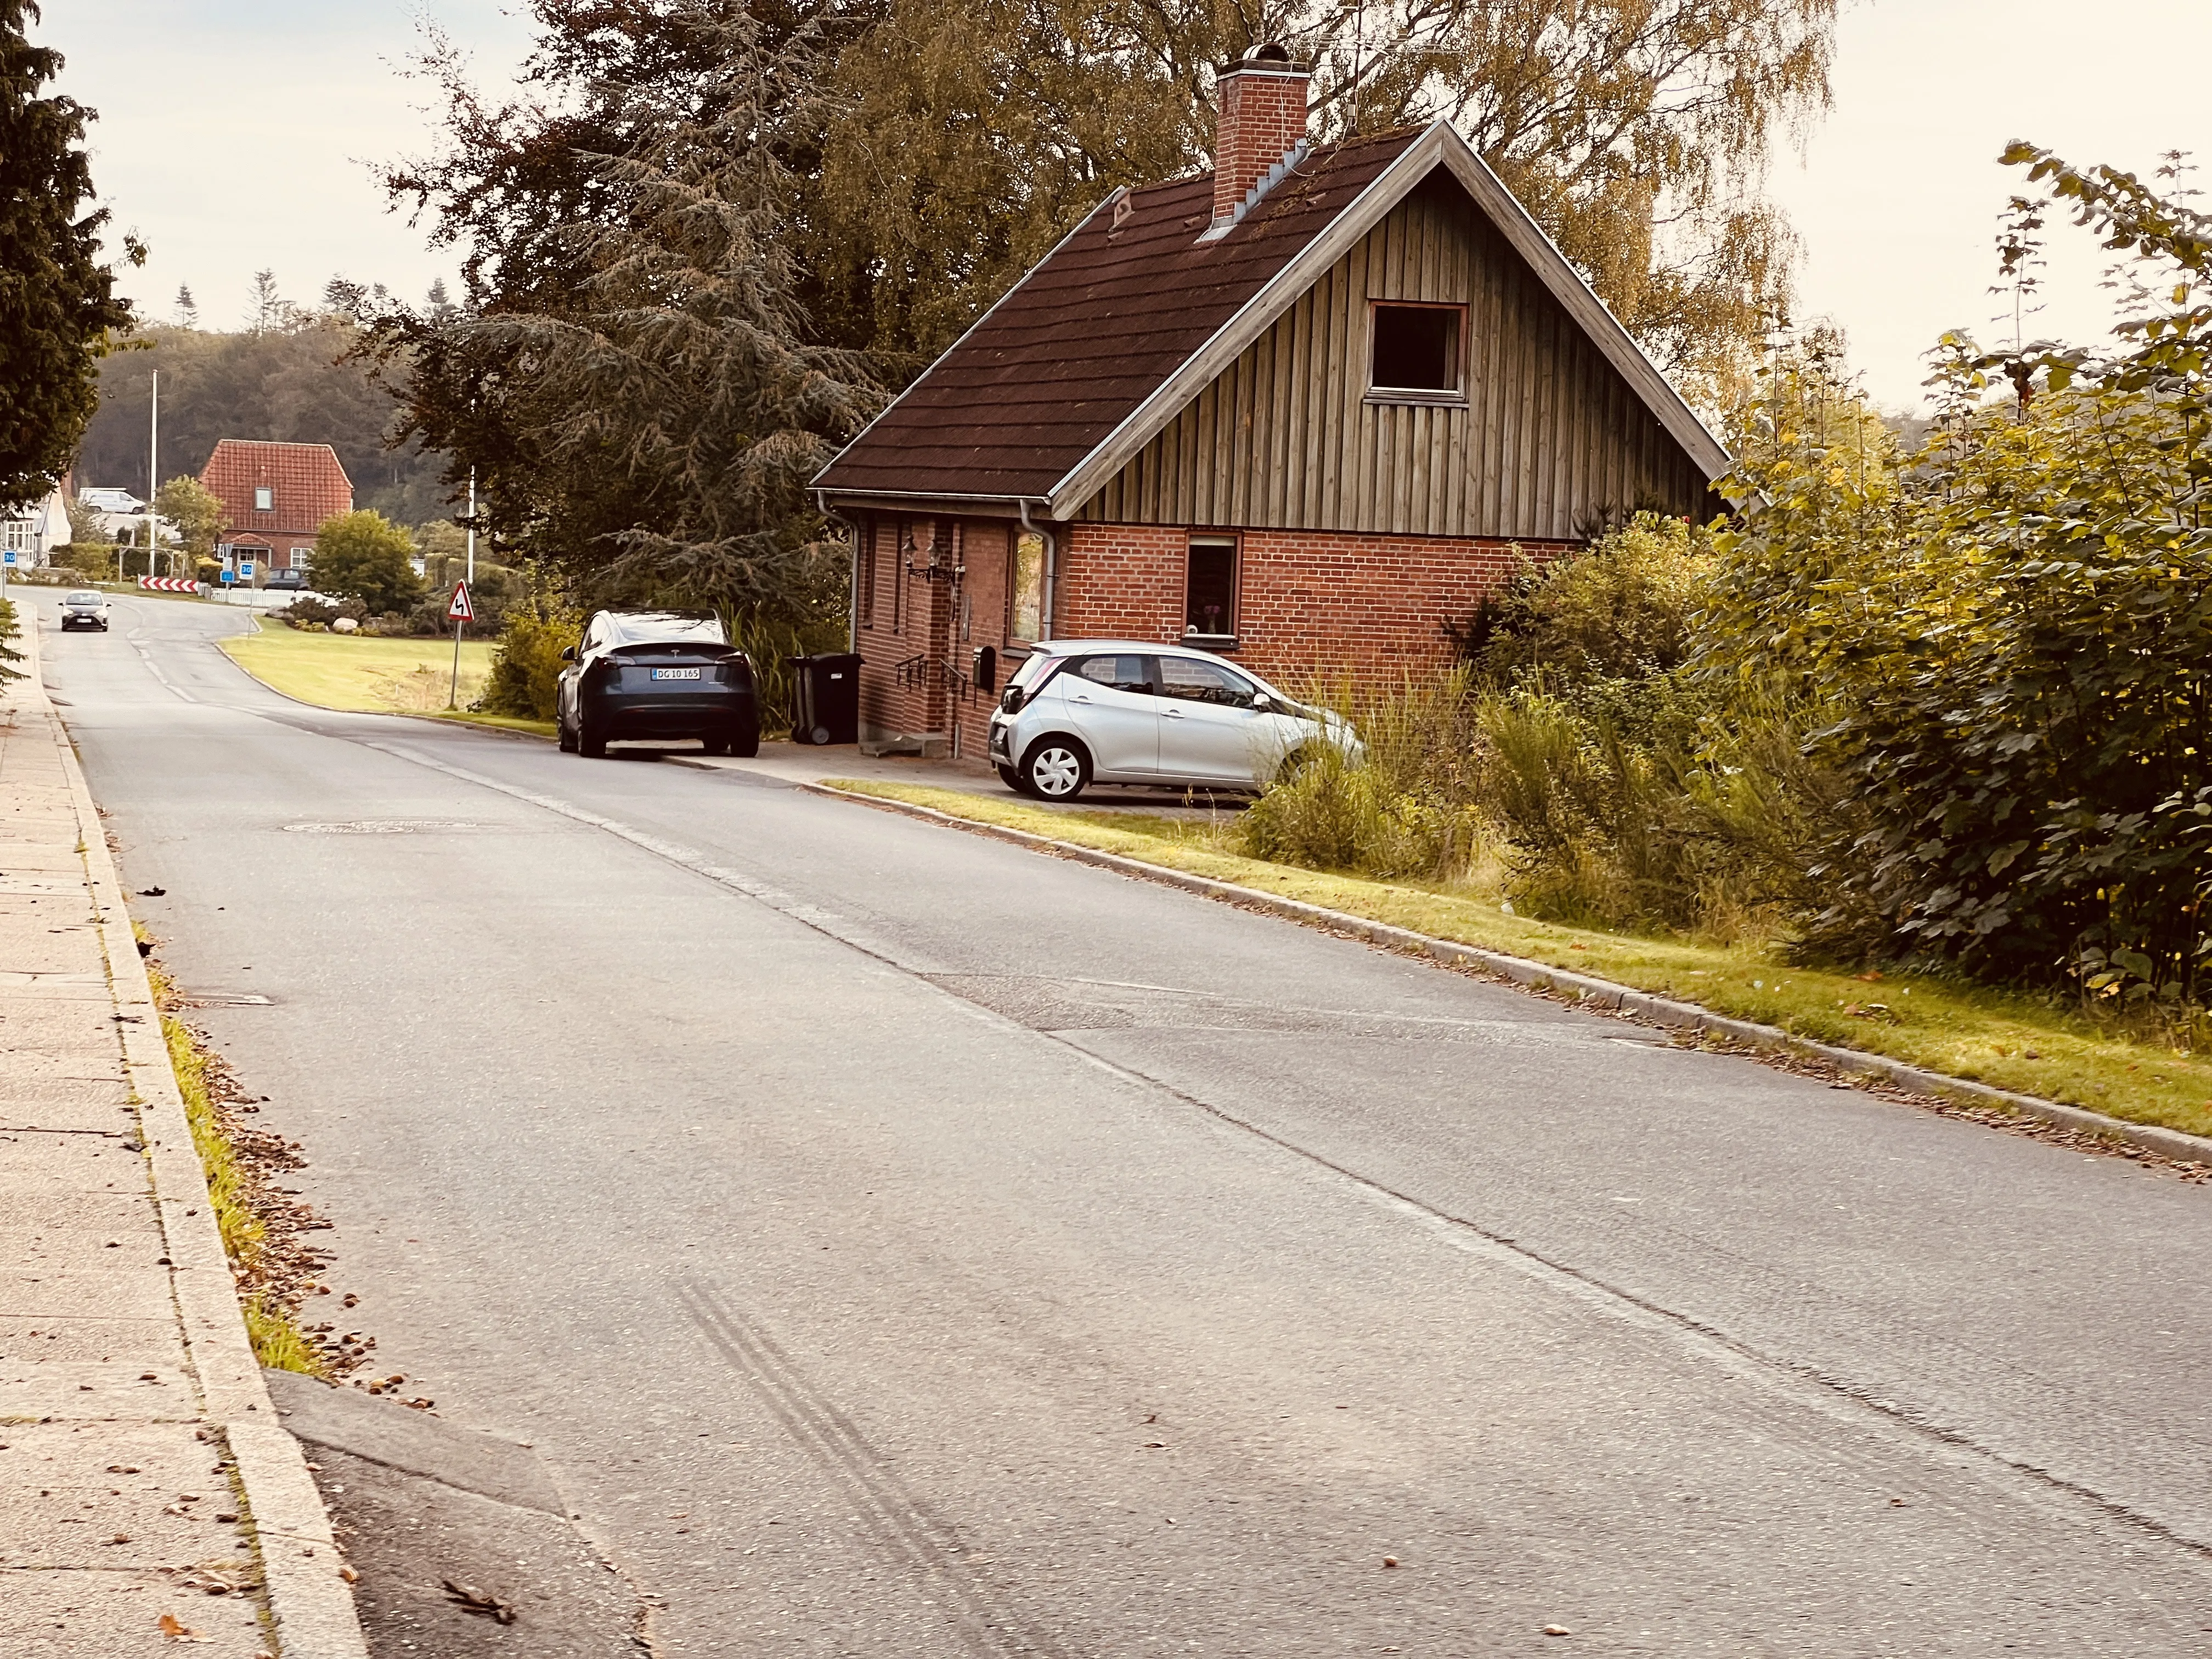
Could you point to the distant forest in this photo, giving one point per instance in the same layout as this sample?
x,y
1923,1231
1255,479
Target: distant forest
x,y
288,384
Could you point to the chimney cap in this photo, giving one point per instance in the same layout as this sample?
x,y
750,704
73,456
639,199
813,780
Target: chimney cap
x,y
1270,57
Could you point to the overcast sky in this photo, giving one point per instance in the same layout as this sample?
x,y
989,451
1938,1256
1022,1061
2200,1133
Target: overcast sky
x,y
233,134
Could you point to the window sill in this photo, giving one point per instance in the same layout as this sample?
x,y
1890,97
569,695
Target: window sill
x,y
1429,399
1220,642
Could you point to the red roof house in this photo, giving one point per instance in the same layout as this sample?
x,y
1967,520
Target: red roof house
x,y
1301,410
274,498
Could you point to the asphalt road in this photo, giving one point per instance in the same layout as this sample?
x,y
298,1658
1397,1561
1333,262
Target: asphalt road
x,y
896,1242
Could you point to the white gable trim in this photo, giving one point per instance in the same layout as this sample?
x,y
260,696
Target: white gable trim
x,y
1440,146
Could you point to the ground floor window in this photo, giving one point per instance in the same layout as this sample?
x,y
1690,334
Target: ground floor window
x,y
1210,588
298,557
1025,585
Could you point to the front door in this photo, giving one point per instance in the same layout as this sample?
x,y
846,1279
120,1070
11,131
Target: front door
x,y
1110,704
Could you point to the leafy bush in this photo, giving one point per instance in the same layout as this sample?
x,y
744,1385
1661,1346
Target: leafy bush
x,y
1621,608
364,555
2015,630
528,663
93,562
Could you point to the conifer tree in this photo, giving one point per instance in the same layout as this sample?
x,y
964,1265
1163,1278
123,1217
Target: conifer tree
x,y
58,308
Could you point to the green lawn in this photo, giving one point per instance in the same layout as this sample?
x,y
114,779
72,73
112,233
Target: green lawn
x,y
2013,1041
367,675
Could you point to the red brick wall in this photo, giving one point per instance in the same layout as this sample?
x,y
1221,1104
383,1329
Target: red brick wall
x,y
941,622
1261,116
1306,600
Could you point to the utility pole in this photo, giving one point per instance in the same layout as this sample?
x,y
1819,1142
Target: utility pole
x,y
472,526
153,465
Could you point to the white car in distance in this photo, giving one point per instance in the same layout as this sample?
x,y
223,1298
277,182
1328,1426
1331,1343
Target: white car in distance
x,y
1080,712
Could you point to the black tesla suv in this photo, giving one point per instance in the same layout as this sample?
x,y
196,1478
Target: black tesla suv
x,y
651,675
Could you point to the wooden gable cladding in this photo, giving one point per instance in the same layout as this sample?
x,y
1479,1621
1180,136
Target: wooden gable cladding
x,y
1550,444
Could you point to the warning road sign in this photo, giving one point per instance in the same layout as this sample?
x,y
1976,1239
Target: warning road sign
x,y
460,610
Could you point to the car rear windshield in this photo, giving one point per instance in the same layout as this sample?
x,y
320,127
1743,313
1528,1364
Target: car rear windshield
x,y
666,628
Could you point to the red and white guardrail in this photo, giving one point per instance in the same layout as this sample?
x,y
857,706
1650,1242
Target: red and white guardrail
x,y
169,584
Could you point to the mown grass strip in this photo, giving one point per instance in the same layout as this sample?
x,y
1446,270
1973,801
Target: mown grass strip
x,y
2007,1040
359,674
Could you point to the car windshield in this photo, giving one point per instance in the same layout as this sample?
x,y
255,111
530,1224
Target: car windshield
x,y
665,627
82,599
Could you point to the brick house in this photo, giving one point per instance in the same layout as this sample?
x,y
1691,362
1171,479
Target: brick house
x,y
1301,410
274,498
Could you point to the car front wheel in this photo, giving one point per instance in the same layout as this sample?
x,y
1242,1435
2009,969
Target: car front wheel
x,y
564,736
1056,769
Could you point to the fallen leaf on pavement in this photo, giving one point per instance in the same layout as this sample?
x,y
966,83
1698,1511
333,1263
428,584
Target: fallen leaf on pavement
x,y
177,1630
470,1599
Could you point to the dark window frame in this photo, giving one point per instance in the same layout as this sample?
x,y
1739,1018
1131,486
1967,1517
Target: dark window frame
x,y
1398,394
1213,540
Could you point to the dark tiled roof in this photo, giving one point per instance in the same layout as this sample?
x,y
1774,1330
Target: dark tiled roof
x,y
307,485
1091,333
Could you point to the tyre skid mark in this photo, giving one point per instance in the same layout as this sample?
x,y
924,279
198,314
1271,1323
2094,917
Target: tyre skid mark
x,y
904,1531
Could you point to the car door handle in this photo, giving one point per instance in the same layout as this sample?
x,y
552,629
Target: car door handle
x,y
1078,697
1172,713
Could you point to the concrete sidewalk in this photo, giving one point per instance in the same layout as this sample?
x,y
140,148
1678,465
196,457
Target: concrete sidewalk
x,y
144,1474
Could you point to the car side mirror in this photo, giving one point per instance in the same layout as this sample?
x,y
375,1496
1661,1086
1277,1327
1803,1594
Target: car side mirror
x,y
1261,701
568,653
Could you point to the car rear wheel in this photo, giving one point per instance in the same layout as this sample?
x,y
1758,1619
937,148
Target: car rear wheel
x,y
1011,777
714,742
745,737
1056,769
590,743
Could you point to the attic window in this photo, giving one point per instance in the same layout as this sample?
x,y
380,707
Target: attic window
x,y
1417,353
265,499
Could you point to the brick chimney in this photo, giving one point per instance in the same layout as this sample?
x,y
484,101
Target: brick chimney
x,y
1262,102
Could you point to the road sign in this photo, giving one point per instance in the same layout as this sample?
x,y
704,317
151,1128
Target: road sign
x,y
229,575
461,610
8,558
246,571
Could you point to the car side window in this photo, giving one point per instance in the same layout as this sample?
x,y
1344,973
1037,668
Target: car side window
x,y
1123,673
1204,682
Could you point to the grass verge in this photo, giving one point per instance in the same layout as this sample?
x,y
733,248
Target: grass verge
x,y
267,1263
499,722
359,674
2007,1039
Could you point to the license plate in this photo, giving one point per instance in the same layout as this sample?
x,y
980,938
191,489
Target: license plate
x,y
676,673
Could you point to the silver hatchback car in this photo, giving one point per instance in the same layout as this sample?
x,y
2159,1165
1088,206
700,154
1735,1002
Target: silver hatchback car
x,y
1080,712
